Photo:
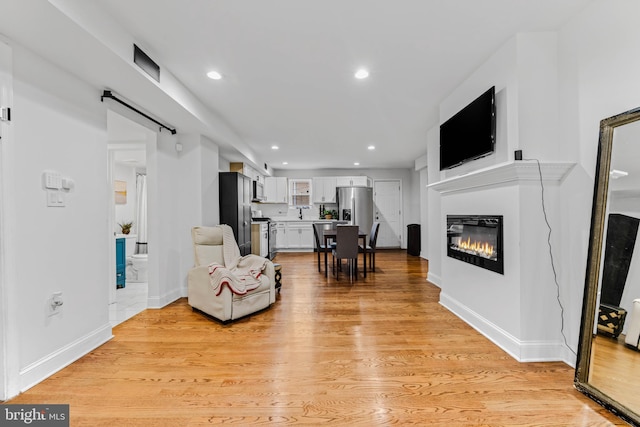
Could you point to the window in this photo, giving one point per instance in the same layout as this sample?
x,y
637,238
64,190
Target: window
x,y
300,192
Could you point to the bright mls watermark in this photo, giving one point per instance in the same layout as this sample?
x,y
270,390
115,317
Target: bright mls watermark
x,y
35,415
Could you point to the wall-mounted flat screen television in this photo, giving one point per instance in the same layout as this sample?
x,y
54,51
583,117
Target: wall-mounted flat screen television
x,y
470,133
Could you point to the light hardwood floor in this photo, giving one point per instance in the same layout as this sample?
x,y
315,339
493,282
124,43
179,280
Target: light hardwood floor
x,y
615,370
377,352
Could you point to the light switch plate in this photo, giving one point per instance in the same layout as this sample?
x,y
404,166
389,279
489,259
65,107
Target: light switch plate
x,y
55,198
52,198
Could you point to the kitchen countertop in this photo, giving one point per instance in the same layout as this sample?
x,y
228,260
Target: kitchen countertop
x,y
126,236
301,220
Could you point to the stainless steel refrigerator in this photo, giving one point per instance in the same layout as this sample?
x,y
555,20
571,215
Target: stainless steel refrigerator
x,y
355,204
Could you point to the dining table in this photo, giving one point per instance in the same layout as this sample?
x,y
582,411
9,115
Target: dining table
x,y
332,234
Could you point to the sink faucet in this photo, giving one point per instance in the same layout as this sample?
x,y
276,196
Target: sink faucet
x,y
300,216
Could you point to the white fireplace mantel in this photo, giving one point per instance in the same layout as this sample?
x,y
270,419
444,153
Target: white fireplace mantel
x,y
505,307
517,171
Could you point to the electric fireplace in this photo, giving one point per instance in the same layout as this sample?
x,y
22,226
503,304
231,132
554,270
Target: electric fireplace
x,y
477,240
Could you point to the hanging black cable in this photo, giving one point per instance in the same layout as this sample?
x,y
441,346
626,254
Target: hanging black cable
x,y
553,264
108,94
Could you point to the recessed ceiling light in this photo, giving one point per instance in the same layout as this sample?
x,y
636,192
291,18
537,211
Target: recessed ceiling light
x,y
285,163
356,163
214,75
274,147
361,74
371,147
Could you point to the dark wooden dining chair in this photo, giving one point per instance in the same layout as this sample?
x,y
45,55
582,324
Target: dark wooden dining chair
x,y
346,248
321,248
370,248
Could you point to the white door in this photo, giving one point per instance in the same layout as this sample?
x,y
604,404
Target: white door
x,y
388,210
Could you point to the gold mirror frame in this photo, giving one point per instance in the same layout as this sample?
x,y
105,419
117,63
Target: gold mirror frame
x,y
597,236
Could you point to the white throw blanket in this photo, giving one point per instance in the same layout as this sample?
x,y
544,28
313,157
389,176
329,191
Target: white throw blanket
x,y
240,274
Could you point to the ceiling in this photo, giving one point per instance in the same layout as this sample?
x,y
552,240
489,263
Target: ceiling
x,y
288,66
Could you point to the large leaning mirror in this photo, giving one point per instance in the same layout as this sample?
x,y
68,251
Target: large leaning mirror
x,y
608,366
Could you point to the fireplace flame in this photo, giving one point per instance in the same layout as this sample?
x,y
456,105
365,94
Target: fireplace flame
x,y
482,249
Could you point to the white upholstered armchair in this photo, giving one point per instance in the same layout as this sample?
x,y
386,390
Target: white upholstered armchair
x,y
227,298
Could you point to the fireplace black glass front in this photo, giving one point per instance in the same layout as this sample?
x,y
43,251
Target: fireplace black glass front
x,y
477,240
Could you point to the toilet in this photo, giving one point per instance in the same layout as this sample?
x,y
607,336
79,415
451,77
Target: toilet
x,y
137,268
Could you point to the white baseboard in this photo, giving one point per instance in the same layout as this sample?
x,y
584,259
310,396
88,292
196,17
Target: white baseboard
x,y
434,278
166,299
52,363
522,351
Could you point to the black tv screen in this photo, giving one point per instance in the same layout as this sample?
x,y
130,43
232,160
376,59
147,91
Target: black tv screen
x,y
470,133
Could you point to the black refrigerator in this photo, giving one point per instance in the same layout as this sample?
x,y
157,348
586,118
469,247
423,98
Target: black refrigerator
x,y
235,207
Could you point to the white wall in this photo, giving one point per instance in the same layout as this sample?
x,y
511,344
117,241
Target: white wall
x,y
126,212
9,362
172,197
433,216
422,191
57,124
500,71
196,175
557,114
518,309
209,160
598,79
493,297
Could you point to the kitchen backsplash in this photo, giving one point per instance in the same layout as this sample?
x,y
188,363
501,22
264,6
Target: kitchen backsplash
x,y
282,210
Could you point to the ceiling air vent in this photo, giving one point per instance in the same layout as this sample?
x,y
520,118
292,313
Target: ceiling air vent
x,y
143,61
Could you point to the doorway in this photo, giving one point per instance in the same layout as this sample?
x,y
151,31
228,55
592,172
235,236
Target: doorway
x,y
387,198
127,145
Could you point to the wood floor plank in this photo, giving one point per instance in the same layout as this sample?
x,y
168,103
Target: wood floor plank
x,y
378,351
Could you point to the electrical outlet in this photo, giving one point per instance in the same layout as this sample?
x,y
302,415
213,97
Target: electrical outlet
x,y
55,303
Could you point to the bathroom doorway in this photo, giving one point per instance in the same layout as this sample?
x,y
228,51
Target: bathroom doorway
x,y
128,144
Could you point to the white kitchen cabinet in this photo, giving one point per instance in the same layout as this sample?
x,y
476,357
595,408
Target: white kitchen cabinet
x,y
299,235
246,170
281,235
275,189
324,189
353,181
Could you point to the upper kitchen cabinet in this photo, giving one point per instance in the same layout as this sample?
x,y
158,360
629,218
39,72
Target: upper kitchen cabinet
x,y
235,207
324,189
246,170
354,181
275,189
